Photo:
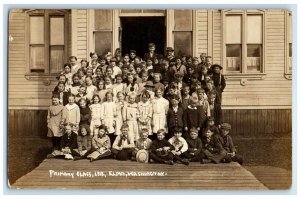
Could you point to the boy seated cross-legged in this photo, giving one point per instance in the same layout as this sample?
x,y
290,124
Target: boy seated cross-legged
x,y
160,150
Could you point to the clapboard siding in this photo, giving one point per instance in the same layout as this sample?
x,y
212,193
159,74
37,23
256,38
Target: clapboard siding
x,y
245,123
217,36
23,92
202,27
82,35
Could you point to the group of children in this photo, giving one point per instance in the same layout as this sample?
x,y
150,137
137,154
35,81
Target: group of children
x,y
162,109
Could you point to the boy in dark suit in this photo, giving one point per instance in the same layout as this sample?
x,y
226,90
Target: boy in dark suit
x,y
67,145
151,54
160,149
194,152
219,80
227,143
193,116
212,148
174,116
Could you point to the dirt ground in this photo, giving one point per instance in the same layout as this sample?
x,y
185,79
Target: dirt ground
x,y
263,157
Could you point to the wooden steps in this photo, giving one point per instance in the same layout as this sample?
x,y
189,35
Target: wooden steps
x,y
129,175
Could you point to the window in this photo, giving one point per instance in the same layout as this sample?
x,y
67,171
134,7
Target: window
x,y
243,42
183,29
103,31
288,44
47,46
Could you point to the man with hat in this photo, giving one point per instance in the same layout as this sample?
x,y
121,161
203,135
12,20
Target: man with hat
x,y
151,54
170,54
227,143
219,80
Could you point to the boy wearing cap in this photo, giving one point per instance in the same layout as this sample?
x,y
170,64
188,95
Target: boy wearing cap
x,y
212,148
226,140
194,152
219,80
180,146
210,124
160,149
149,87
170,54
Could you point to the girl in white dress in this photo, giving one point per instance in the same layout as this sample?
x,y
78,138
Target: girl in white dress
x,y
90,88
109,114
145,112
160,109
96,112
120,103
131,115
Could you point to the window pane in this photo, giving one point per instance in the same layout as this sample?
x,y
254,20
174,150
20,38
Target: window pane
x,y
57,29
37,57
103,19
233,57
233,29
290,58
56,58
183,19
36,30
290,29
183,43
253,57
103,42
254,29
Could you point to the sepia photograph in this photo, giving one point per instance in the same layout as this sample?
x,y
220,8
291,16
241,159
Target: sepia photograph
x,y
150,99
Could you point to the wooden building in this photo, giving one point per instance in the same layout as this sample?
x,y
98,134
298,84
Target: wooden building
x,y
253,46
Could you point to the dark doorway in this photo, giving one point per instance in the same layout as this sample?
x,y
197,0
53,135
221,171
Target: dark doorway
x,y
138,32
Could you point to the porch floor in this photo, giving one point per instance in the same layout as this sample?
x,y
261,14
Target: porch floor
x,y
113,174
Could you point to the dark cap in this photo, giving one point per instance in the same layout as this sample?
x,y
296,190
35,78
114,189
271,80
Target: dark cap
x,y
169,49
149,84
226,126
132,51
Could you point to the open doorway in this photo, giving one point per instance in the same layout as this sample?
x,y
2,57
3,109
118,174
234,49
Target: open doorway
x,y
138,32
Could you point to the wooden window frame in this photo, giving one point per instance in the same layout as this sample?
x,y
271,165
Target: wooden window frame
x,y
171,29
46,76
243,75
287,72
